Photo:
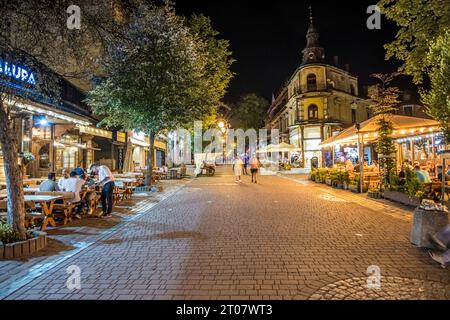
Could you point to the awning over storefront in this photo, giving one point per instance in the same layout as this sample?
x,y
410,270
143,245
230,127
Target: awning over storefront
x,y
403,127
59,114
282,147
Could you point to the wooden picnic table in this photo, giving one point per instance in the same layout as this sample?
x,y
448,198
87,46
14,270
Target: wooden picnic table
x,y
125,180
31,190
33,181
47,203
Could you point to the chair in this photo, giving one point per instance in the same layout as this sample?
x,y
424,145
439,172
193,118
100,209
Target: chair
x,y
118,194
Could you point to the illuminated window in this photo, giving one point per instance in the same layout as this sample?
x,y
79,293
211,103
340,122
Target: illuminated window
x,y
313,112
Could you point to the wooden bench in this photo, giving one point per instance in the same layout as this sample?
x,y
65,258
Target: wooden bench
x,y
90,203
31,213
64,208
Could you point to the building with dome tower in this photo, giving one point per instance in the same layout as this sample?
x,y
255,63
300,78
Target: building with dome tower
x,y
318,101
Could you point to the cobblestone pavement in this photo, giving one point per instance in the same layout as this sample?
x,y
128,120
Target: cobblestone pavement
x,y
283,238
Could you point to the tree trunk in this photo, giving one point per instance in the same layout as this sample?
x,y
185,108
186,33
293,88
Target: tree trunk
x,y
14,176
149,175
128,161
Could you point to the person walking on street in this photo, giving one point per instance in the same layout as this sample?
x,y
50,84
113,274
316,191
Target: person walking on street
x,y
106,180
237,168
246,158
254,167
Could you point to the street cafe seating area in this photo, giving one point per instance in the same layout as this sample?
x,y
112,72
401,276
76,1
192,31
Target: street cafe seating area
x,y
403,187
49,208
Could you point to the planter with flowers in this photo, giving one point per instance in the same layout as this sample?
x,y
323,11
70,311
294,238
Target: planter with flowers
x,y
12,248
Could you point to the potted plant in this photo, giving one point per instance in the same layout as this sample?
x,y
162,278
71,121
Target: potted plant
x,y
408,191
11,247
343,179
313,175
355,185
321,175
373,193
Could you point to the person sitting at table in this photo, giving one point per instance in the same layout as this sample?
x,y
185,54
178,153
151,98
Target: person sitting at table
x,y
408,164
448,170
50,184
402,175
74,185
65,176
91,194
374,166
79,171
439,172
349,165
422,175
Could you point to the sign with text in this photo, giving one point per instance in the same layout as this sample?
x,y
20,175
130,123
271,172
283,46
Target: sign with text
x,y
17,72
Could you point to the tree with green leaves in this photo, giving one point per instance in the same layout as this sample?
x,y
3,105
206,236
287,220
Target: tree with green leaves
x,y
217,72
437,97
159,77
249,112
384,100
420,23
35,34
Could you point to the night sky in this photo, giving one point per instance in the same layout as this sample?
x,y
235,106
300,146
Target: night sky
x,y
267,38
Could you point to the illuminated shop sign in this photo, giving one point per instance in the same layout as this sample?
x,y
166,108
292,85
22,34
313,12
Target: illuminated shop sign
x,y
17,72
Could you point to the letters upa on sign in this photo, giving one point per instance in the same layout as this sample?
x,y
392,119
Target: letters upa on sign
x,y
17,72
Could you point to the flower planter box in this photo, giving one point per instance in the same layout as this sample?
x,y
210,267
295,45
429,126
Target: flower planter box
x,y
339,185
328,182
426,223
355,188
374,194
401,197
24,248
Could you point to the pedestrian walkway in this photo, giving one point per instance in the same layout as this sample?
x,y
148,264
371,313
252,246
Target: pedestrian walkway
x,y
278,239
395,210
69,240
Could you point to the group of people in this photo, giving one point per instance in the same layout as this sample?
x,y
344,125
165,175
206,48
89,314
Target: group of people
x,y
240,167
374,166
74,182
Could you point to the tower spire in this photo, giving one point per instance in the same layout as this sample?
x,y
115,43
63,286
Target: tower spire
x,y
313,52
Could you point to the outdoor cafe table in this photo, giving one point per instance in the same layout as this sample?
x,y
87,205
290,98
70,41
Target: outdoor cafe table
x,y
30,190
34,181
47,203
125,180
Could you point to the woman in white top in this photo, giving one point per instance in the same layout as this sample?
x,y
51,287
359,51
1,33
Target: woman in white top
x,y
237,168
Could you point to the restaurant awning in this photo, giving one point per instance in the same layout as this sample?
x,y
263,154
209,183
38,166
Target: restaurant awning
x,y
282,147
403,127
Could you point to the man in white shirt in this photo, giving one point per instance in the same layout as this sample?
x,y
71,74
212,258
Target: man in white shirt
x,y
106,180
65,176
